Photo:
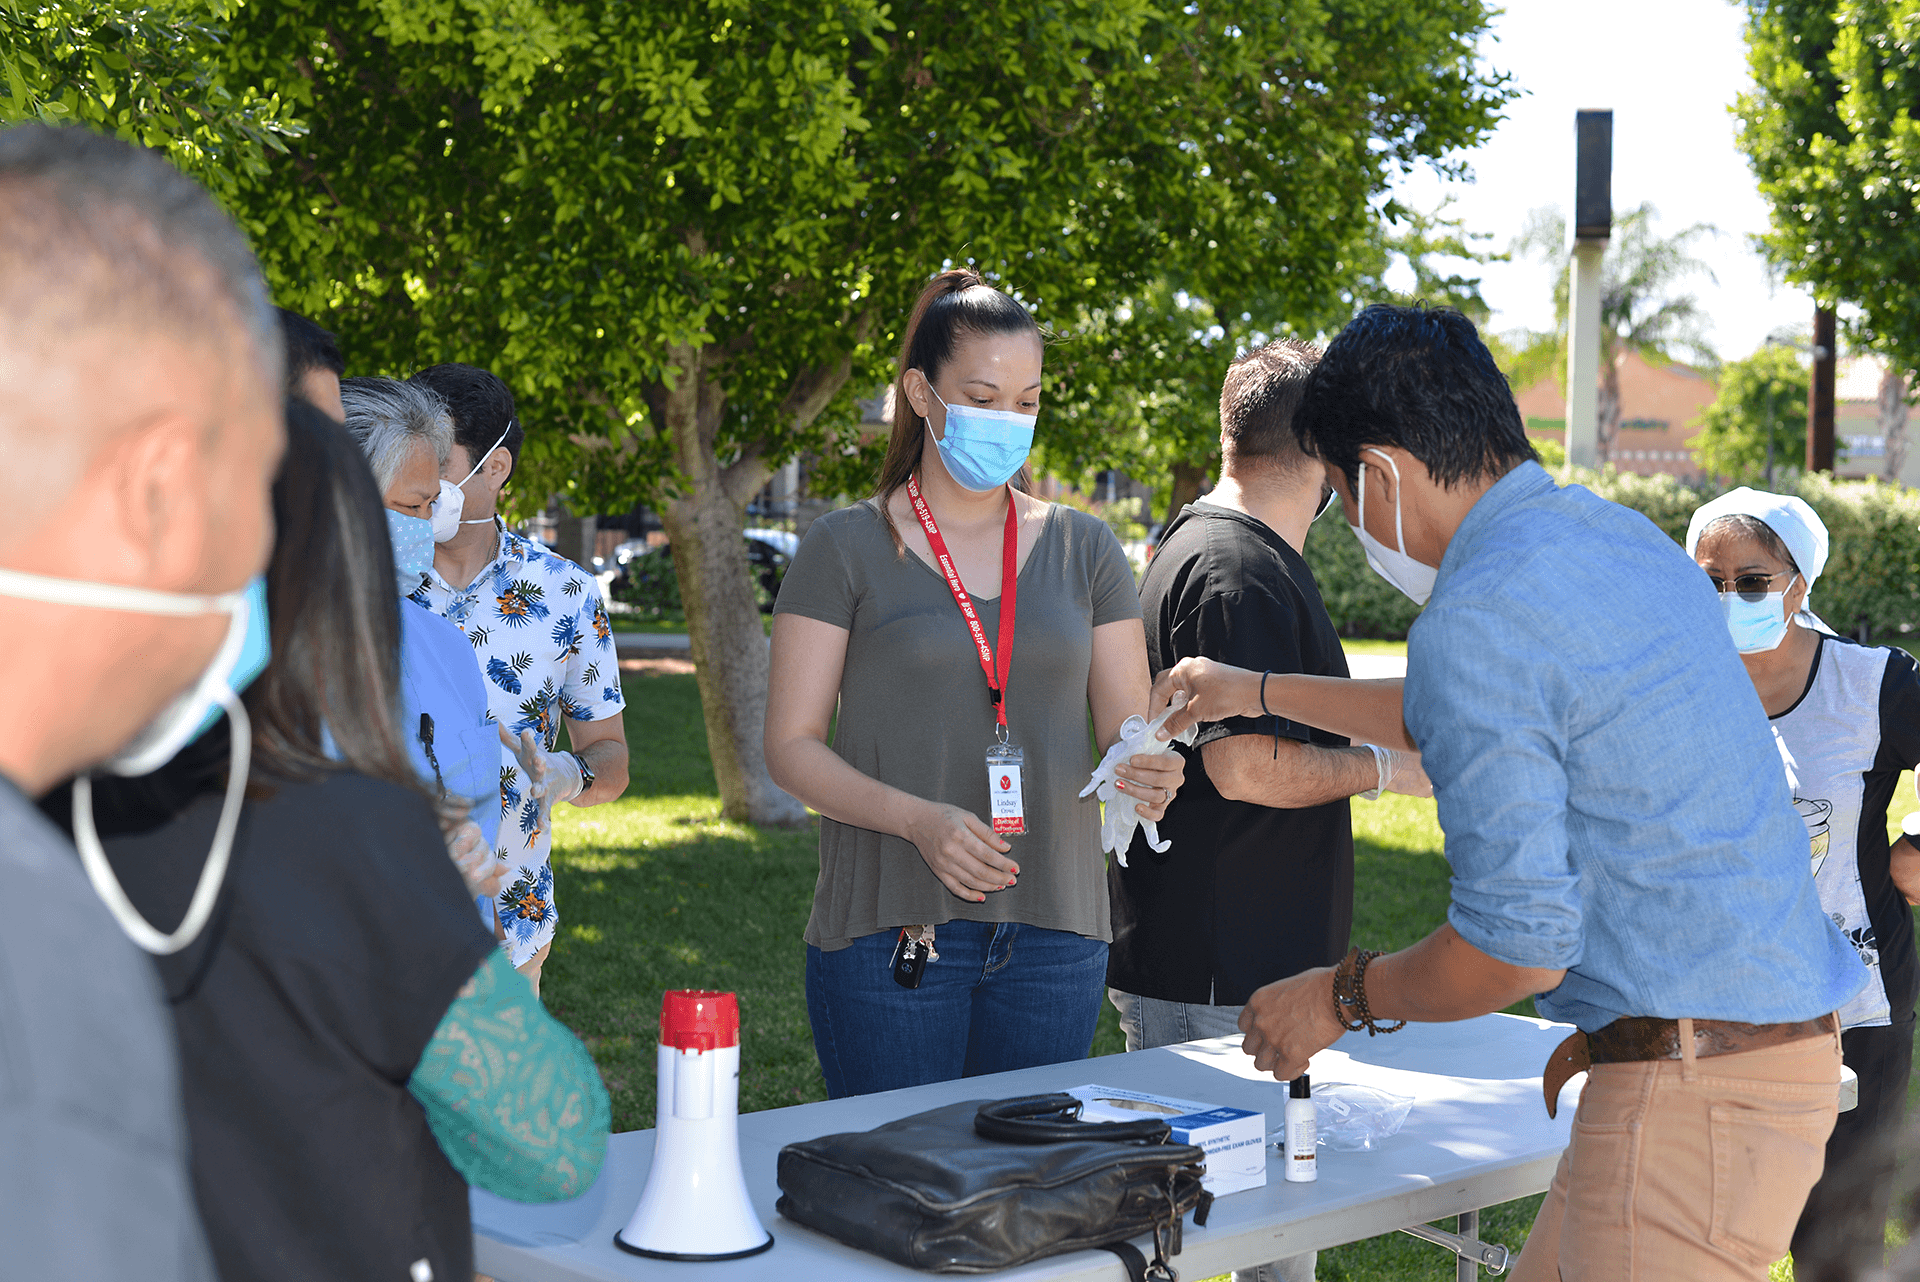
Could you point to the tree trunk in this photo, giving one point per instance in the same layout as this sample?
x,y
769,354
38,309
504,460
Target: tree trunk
x,y
710,558
1893,422
1187,480
1607,412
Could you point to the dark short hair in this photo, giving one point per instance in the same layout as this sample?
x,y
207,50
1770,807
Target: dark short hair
x,y
308,348
1258,399
1418,378
102,232
482,409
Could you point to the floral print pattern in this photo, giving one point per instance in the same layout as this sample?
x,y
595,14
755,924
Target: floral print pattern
x,y
541,636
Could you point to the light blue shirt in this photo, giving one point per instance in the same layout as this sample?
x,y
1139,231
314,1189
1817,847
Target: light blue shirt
x,y
1611,795
438,677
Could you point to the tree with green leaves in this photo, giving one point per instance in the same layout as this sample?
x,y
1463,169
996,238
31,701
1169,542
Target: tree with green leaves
x,y
1832,130
150,73
1758,421
1136,382
1642,307
687,232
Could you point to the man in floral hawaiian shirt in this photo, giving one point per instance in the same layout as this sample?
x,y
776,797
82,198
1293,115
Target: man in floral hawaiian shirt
x,y
540,634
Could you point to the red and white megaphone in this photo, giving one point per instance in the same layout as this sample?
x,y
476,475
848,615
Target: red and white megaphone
x,y
695,1206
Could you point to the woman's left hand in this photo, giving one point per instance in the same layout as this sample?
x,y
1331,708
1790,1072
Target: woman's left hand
x,y
1152,780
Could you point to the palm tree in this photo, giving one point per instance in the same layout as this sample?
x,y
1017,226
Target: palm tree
x,y
1641,307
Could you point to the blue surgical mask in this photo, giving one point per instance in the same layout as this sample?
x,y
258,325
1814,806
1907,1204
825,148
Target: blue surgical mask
x,y
412,548
984,448
1757,626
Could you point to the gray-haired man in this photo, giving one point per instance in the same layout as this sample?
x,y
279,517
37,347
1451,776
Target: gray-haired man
x,y
140,417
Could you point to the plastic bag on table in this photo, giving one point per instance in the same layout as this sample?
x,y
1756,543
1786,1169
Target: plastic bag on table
x,y
1138,738
1354,1119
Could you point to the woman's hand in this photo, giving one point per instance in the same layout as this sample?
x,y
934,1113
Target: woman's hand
x,y
1215,692
1152,780
964,853
471,855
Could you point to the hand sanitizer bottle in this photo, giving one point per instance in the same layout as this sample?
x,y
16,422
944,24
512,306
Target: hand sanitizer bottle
x,y
1302,1136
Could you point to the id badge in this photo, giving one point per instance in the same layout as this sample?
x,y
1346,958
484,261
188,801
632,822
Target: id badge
x,y
1006,797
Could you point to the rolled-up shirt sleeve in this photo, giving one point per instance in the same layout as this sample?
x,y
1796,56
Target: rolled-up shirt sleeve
x,y
1490,710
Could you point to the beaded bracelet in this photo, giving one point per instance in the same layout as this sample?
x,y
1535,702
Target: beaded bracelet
x,y
1350,994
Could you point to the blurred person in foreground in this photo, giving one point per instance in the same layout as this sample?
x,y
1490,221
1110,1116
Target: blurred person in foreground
x,y
140,418
355,1051
314,364
406,433
1848,717
1622,840
1258,883
541,637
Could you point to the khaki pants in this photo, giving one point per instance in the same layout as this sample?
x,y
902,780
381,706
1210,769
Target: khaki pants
x,y
532,966
1690,1168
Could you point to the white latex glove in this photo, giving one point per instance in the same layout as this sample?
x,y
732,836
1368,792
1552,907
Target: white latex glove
x,y
551,776
1138,738
1399,772
472,856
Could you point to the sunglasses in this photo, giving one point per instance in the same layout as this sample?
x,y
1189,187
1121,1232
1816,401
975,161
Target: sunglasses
x,y
1748,587
1326,501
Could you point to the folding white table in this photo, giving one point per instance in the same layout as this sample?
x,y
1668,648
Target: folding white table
x,y
1478,1135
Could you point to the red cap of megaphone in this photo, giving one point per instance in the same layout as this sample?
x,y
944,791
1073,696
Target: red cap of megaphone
x,y
698,1020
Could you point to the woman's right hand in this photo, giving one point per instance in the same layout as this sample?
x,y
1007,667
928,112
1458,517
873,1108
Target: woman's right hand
x,y
964,853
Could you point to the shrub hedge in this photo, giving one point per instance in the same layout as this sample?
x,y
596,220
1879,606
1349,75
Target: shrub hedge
x,y
1872,574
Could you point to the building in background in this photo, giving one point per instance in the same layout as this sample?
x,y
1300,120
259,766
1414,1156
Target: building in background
x,y
1658,406
1870,422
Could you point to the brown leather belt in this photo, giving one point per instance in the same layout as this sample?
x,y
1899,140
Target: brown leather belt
x,y
1635,1039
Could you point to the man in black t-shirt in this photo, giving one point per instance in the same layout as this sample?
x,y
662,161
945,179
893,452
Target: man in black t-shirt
x,y
1258,882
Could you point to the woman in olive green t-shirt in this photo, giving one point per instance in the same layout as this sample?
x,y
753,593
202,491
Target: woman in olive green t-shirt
x,y
868,628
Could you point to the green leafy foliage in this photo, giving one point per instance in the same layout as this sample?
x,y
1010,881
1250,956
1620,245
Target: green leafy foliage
x,y
574,196
151,74
1872,572
1832,129
1764,395
1134,383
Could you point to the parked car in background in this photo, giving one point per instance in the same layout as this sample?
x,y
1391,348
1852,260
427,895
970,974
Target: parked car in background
x,y
644,577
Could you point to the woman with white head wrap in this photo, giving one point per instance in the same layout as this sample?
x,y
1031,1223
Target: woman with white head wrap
x,y
1848,718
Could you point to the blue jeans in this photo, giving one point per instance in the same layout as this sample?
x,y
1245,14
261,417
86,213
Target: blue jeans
x,y
1002,996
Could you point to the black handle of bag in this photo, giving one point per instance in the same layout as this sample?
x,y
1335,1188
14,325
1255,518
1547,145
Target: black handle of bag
x,y
1053,1119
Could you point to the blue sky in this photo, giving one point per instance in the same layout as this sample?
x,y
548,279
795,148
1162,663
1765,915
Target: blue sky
x,y
1669,70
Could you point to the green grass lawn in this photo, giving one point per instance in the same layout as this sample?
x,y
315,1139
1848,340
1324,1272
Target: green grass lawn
x,y
656,891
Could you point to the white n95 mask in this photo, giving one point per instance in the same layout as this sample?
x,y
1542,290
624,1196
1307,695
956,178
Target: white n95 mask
x,y
452,503
240,658
1415,578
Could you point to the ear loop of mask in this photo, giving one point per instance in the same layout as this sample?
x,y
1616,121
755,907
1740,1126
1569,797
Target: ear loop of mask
x,y
486,520
206,892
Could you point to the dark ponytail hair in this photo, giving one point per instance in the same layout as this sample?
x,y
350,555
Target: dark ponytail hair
x,y
956,304
334,610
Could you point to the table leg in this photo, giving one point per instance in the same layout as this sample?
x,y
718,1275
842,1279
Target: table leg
x,y
1472,1252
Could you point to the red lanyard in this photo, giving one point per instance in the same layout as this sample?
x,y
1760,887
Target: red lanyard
x,y
1009,594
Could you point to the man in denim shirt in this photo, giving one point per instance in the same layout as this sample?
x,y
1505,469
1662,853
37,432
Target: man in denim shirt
x,y
1622,840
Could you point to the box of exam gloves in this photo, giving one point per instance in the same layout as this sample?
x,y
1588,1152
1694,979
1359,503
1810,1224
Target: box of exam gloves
x,y
1233,1139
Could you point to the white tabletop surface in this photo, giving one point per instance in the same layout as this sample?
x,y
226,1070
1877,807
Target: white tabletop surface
x,y
1478,1135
